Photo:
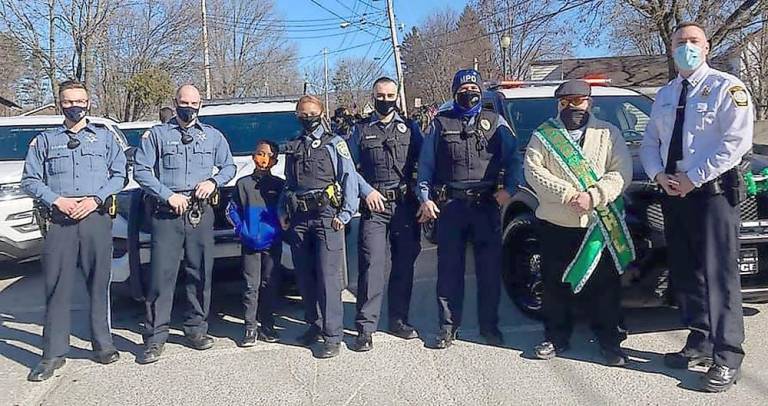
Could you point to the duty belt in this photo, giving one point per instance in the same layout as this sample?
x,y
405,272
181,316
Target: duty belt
x,y
475,195
311,201
395,194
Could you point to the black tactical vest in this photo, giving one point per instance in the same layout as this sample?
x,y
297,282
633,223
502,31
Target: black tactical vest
x,y
384,152
308,167
468,153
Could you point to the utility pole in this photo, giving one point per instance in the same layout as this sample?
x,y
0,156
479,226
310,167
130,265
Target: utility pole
x,y
325,86
475,64
398,61
206,57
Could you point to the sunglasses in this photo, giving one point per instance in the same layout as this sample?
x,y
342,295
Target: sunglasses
x,y
574,101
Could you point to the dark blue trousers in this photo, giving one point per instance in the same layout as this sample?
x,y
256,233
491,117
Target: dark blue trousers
x,y
702,233
462,222
317,251
174,240
397,226
71,247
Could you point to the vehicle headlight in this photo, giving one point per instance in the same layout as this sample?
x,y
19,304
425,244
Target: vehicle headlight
x,y
11,191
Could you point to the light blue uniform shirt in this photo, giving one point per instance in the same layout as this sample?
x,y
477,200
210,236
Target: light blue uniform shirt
x,y
164,165
97,167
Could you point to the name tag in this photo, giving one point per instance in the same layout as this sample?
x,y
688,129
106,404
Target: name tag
x,y
370,137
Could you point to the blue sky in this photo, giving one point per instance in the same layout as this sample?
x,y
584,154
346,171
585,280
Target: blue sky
x,y
318,30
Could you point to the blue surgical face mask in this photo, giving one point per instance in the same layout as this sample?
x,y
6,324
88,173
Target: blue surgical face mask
x,y
688,56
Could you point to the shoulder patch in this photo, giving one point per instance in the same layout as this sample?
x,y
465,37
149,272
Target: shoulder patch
x,y
401,127
485,124
341,146
146,134
739,96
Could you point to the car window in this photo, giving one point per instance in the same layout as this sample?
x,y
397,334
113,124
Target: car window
x,y
14,140
133,135
243,130
629,113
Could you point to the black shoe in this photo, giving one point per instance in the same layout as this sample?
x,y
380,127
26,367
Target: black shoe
x,y
445,338
687,358
107,358
268,335
493,337
614,356
403,330
200,342
719,378
363,343
45,369
249,338
151,354
328,350
311,336
548,350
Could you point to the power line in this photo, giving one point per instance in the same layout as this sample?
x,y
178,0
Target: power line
x,y
335,14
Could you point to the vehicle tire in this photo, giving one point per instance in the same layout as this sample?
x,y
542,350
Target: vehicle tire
x,y
521,264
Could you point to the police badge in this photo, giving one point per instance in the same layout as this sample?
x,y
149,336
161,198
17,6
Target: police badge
x,y
315,143
485,124
401,127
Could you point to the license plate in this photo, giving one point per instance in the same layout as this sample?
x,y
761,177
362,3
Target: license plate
x,y
748,261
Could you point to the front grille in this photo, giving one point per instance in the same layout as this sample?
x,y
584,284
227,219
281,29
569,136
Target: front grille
x,y
747,209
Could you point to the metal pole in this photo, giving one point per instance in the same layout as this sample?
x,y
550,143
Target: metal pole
x,y
206,56
398,61
504,63
475,64
325,86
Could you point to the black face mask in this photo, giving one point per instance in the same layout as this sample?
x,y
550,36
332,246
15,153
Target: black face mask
x,y
74,113
310,124
468,99
574,118
384,107
186,113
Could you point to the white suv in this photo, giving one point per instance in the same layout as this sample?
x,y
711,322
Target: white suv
x,y
20,238
243,122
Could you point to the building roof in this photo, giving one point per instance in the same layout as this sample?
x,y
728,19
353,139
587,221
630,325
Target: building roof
x,y
8,103
633,70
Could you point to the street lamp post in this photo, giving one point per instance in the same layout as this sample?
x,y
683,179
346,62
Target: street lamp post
x,y
506,41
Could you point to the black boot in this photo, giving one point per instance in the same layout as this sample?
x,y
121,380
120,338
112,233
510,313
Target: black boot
x,y
687,358
268,334
45,369
151,353
363,343
328,350
402,330
720,378
200,342
106,358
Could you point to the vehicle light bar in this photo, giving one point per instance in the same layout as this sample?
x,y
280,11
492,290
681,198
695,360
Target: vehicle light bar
x,y
510,84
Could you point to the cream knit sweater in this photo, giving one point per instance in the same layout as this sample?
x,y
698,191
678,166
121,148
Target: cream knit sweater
x,y
605,149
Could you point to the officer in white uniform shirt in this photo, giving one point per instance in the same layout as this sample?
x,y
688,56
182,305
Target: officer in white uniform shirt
x,y
699,131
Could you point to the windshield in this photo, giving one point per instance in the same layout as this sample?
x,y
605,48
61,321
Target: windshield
x,y
133,135
14,140
243,130
629,113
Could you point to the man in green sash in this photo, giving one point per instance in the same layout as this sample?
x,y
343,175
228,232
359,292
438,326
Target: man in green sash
x,y
579,166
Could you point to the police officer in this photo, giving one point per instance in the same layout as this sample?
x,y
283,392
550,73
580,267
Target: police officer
x,y
320,198
469,166
72,171
700,129
386,147
175,165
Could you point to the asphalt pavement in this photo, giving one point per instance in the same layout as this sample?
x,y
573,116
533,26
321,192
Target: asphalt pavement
x,y
396,372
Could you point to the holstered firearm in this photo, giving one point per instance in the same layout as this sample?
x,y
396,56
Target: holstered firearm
x,y
440,194
42,215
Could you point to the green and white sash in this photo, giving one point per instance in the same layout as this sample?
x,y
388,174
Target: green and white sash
x,y
609,225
